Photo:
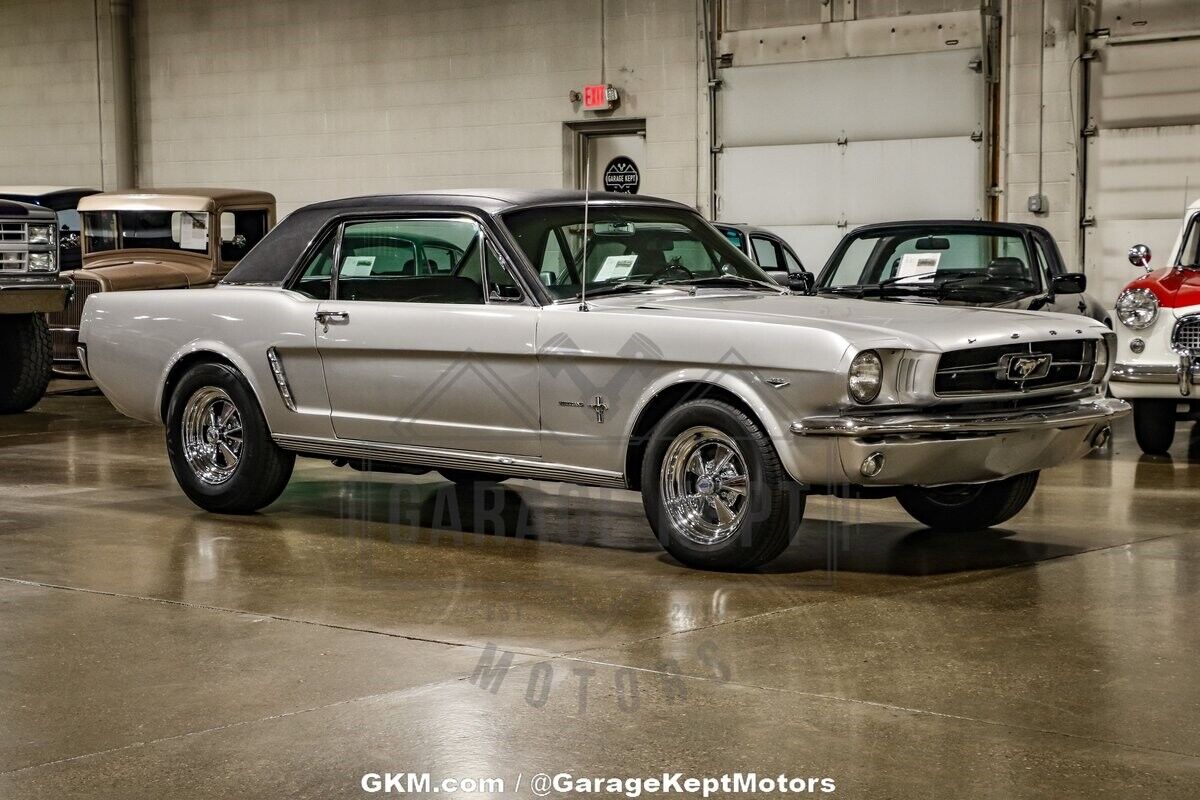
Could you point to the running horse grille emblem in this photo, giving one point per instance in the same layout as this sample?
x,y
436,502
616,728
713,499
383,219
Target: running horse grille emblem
x,y
1020,368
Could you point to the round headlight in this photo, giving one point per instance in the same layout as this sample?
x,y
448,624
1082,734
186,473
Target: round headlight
x,y
1137,308
865,377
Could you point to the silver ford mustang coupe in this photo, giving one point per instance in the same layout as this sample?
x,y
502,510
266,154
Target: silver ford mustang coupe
x,y
620,342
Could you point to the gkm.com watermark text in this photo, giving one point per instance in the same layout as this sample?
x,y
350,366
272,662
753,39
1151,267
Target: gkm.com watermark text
x,y
565,784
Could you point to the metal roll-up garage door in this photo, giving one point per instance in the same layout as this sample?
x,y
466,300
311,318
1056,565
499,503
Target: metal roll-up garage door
x,y
814,148
1142,134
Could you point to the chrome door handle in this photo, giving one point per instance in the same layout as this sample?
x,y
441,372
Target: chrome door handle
x,y
326,317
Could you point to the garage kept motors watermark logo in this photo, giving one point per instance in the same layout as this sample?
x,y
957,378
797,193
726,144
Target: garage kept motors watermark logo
x,y
622,175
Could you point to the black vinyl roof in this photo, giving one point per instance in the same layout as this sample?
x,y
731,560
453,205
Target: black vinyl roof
x,y
947,224
270,261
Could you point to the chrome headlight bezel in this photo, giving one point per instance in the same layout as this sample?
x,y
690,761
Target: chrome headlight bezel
x,y
39,234
41,262
1137,309
1104,354
864,379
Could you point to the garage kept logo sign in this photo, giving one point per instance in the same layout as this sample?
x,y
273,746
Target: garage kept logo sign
x,y
622,175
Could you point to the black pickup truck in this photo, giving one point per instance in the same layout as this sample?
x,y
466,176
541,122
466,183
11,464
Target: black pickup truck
x,y
30,287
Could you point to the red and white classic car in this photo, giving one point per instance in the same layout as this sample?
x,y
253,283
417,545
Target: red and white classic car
x,y
1158,339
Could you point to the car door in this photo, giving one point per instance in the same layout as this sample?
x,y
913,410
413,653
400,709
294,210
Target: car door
x,y
421,358
767,254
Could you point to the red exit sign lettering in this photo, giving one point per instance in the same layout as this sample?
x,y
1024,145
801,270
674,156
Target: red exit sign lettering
x,y
599,97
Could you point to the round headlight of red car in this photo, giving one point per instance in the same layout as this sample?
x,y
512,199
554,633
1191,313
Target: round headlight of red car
x,y
1137,308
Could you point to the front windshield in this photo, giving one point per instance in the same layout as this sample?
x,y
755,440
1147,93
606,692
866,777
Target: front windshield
x,y
930,257
626,245
186,231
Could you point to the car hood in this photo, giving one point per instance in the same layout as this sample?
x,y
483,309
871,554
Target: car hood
x,y
1174,287
866,322
118,275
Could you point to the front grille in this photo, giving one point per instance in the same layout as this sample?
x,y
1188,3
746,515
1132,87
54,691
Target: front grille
x,y
1187,334
64,325
13,260
12,232
989,370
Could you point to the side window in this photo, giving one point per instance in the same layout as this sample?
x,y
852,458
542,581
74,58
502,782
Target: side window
x,y
793,263
735,238
553,269
241,230
317,276
410,261
502,286
1189,254
764,252
100,231
1046,264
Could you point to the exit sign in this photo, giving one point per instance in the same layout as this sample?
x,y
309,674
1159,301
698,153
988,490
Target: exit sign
x,y
599,97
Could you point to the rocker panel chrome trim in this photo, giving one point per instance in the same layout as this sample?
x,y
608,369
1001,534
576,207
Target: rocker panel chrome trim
x,y
457,459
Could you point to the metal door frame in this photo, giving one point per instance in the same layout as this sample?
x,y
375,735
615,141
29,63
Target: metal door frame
x,y
575,141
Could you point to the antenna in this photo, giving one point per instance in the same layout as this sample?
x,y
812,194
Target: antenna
x,y
587,180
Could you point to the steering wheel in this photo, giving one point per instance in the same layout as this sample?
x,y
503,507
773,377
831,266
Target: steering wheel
x,y
667,270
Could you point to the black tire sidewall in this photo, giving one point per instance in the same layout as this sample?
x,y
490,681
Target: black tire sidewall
x,y
25,352
735,552
1154,422
256,438
993,504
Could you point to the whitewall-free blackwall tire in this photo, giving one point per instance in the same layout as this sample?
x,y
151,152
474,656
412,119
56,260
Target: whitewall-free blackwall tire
x,y
219,444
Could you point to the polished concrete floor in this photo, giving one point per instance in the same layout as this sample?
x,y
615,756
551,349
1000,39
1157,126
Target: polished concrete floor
x,y
150,650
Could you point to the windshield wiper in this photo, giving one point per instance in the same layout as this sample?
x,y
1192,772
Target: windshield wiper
x,y
881,289
621,287
727,280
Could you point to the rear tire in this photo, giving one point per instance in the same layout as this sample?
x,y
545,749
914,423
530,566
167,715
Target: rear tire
x,y
1154,425
220,447
715,491
467,477
25,352
968,507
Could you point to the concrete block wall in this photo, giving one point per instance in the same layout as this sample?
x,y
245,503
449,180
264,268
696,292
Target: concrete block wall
x,y
1053,86
312,100
49,93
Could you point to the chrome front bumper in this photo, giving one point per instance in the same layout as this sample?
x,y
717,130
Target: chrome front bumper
x,y
923,450
1185,374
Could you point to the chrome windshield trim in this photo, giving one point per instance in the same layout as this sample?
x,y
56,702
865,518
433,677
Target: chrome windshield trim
x,y
1092,411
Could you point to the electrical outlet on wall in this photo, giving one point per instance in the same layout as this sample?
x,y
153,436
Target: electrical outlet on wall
x,y
1037,204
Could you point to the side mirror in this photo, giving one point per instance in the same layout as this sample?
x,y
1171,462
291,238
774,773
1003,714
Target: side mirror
x,y
1139,256
505,294
1071,283
800,281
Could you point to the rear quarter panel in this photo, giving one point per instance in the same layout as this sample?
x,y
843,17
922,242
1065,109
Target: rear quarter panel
x,y
134,339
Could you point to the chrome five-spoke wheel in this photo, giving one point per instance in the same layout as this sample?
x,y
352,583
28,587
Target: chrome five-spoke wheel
x,y
211,429
705,485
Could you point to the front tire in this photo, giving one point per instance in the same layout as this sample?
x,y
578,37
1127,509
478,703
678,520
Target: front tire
x,y
715,491
968,507
1154,425
25,352
219,445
